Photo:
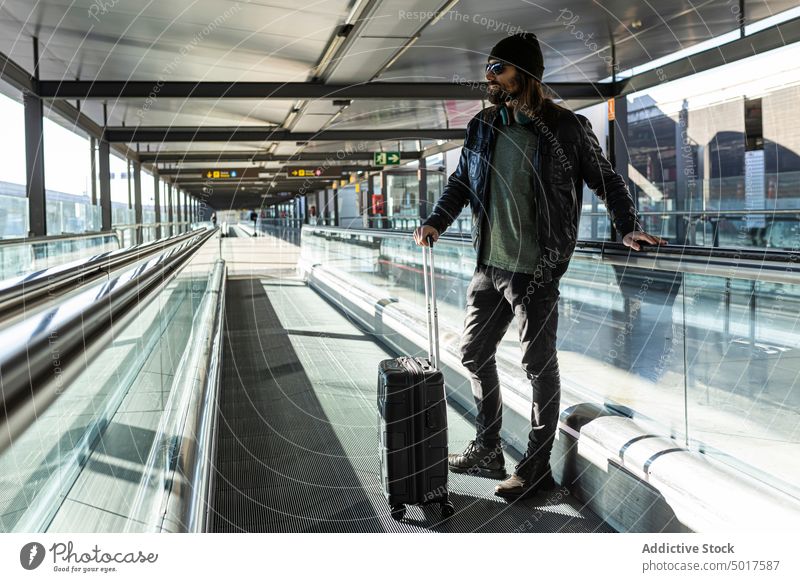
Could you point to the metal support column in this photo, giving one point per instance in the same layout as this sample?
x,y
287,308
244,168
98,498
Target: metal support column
x,y
169,208
34,156
612,130
383,221
683,166
137,200
422,177
611,151
336,206
130,189
370,220
157,200
105,186
178,212
621,154
93,168
34,161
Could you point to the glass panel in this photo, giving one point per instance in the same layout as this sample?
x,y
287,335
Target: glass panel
x,y
121,196
13,211
24,257
68,180
705,360
620,340
13,200
83,465
402,200
712,160
743,375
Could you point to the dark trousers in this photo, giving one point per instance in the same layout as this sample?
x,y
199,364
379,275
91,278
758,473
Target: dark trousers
x,y
494,298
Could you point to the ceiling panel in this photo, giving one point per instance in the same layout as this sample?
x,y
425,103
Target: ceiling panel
x,y
575,38
193,112
184,39
400,18
322,106
388,114
365,54
311,122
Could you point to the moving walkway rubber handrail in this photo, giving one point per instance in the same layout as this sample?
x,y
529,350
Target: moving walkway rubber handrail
x,y
779,255
26,291
188,428
10,242
31,378
768,265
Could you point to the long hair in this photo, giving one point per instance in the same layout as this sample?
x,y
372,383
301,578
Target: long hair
x,y
532,97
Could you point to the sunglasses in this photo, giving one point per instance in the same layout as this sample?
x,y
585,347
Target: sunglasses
x,y
495,68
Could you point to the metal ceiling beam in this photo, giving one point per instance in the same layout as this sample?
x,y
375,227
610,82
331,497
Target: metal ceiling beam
x,y
280,184
278,181
222,157
260,134
16,76
265,174
762,41
194,178
468,90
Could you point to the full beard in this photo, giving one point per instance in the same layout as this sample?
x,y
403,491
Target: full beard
x,y
499,96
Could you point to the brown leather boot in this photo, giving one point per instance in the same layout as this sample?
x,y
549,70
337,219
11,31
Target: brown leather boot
x,y
526,481
479,460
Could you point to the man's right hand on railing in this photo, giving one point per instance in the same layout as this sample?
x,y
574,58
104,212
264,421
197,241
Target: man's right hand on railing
x,y
421,234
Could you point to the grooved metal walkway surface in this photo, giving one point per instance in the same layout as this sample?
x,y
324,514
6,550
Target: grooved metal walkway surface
x,y
297,448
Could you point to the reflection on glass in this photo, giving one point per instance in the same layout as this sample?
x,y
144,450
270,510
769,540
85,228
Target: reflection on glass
x,y
81,465
24,257
707,360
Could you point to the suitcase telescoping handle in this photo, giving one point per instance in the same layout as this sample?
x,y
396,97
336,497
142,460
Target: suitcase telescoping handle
x,y
430,302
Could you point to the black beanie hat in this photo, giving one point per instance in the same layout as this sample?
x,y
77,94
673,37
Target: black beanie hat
x,y
523,51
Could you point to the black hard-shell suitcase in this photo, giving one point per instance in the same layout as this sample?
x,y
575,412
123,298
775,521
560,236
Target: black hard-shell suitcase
x,y
413,420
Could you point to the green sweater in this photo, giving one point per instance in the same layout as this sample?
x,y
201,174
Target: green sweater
x,y
509,238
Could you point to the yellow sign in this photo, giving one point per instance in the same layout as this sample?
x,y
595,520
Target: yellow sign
x,y
611,112
231,173
313,172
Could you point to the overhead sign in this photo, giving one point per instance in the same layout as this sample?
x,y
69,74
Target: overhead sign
x,y
386,158
230,173
313,172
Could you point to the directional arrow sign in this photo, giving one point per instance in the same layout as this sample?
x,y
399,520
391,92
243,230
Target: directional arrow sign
x,y
313,172
230,173
386,158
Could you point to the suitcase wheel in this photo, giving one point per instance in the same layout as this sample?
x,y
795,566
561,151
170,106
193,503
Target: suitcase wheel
x,y
398,512
447,509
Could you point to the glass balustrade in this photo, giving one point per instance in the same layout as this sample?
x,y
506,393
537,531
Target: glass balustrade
x,y
709,360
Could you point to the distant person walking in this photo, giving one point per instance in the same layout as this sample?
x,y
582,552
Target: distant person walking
x,y
254,218
522,170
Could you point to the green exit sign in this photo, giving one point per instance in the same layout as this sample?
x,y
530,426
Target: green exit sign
x,y
386,158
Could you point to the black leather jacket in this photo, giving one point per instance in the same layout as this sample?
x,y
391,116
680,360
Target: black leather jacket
x,y
568,154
